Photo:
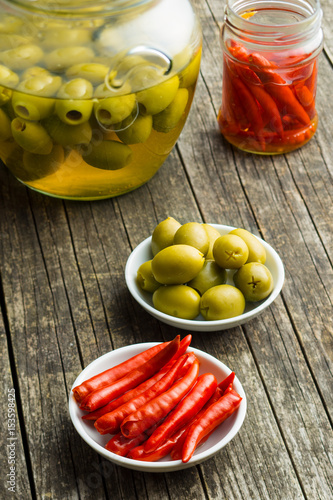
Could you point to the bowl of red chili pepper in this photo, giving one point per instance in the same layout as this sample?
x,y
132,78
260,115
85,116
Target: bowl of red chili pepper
x,y
157,407
142,255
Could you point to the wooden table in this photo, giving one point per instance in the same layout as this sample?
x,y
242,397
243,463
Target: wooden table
x,y
64,303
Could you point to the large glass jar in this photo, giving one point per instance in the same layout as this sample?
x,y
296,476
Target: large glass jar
x,y
270,62
94,95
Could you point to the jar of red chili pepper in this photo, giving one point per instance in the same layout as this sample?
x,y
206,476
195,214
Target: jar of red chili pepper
x,y
270,61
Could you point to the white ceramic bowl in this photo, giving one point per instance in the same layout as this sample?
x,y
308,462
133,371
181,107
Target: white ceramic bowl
x,y
220,437
143,252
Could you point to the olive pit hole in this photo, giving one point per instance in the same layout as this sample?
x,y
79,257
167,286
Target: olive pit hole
x,y
74,115
23,111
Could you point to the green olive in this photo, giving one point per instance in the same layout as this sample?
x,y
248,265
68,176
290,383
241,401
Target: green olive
x,y
78,88
39,166
31,107
68,135
189,76
10,24
22,57
113,110
74,111
146,278
193,234
213,234
61,59
9,41
102,91
94,72
64,37
254,280
7,77
33,71
222,302
5,95
257,252
5,127
180,301
135,130
108,155
31,136
167,119
177,264
210,275
43,85
230,251
155,99
163,234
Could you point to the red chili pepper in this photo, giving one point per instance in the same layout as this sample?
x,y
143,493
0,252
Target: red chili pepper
x,y
239,52
231,115
306,99
251,109
278,89
226,382
311,82
108,376
94,415
159,407
121,446
110,422
176,453
217,413
139,453
186,409
101,397
253,82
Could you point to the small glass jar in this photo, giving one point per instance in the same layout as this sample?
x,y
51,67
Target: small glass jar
x,y
94,95
270,63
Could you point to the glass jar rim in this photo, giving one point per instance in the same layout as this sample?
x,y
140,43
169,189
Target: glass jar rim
x,y
234,6
274,34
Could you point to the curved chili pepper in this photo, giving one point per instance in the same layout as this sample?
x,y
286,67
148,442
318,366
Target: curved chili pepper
x,y
226,382
176,452
139,453
110,422
306,98
185,410
238,51
276,86
251,109
108,376
101,397
217,413
159,407
253,82
311,82
121,446
94,415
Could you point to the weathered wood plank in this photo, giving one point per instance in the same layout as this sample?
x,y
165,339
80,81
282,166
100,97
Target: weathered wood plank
x,y
14,471
40,351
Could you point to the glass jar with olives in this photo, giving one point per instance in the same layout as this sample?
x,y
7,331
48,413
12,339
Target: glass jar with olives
x,y
93,96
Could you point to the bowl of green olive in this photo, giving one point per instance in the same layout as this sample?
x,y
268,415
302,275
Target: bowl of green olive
x,y
203,277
